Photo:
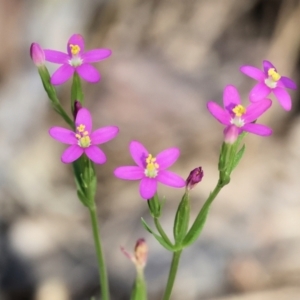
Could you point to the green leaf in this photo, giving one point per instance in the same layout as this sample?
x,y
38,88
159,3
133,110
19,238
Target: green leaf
x,y
164,243
182,218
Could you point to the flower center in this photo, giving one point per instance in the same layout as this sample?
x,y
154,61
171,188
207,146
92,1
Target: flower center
x,y
238,111
76,60
273,78
152,166
82,136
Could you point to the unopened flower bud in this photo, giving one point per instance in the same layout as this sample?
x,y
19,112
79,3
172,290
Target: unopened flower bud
x,y
231,134
194,178
77,107
139,258
37,54
141,253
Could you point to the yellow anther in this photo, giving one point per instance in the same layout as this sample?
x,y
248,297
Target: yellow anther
x,y
86,133
78,136
80,128
239,110
273,74
75,49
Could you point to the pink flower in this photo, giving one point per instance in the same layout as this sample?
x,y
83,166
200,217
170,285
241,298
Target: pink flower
x,y
151,170
83,140
269,80
236,114
76,60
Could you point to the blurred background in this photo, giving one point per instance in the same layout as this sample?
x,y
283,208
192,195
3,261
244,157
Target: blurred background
x,y
169,58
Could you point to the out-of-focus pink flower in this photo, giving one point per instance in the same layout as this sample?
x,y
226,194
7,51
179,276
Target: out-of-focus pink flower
x,y
37,54
269,80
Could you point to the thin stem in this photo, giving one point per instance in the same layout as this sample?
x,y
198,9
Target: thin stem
x,y
161,231
100,257
172,275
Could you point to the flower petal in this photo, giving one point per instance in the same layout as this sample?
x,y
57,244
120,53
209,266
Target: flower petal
x,y
76,39
95,154
88,73
139,153
283,97
171,179
71,154
57,57
63,135
257,129
219,113
148,187
62,74
253,72
267,65
259,92
288,83
104,134
231,97
167,158
95,55
129,173
256,109
84,118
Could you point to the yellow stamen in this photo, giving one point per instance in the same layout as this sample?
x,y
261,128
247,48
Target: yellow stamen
x,y
152,167
80,128
75,49
273,74
239,110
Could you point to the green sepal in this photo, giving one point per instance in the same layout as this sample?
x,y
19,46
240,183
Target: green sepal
x,y
155,206
139,290
82,197
76,91
181,222
236,159
164,243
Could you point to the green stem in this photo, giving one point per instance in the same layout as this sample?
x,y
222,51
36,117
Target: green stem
x,y
161,231
172,275
100,257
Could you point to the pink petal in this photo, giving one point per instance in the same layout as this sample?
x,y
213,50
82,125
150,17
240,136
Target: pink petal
x,y
129,173
288,83
167,158
148,187
219,113
104,134
256,109
283,97
71,154
62,74
259,92
84,118
139,153
231,97
253,72
88,73
57,57
95,154
63,135
257,129
95,55
170,179
76,39
267,65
